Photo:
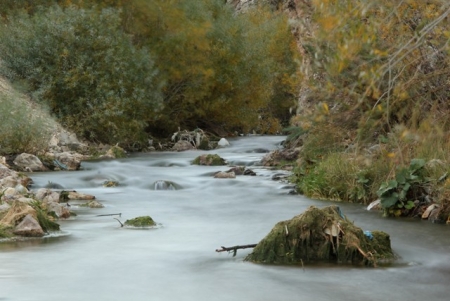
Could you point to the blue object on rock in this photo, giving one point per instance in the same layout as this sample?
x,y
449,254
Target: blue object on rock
x,y
368,234
60,165
340,212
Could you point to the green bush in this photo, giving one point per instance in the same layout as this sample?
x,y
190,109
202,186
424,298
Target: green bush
x,y
224,71
85,68
22,129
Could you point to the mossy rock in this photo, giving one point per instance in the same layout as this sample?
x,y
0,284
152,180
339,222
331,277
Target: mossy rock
x,y
209,160
109,183
116,152
204,144
322,235
140,222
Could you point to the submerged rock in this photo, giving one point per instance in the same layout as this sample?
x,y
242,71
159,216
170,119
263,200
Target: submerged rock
x,y
225,175
93,204
140,222
165,185
322,235
73,195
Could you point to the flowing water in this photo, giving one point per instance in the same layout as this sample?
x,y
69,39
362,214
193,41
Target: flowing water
x,y
96,259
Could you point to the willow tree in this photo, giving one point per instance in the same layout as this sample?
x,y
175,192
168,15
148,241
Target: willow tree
x,y
223,71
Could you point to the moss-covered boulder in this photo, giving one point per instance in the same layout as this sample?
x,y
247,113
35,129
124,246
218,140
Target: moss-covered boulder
x,y
209,160
140,222
322,235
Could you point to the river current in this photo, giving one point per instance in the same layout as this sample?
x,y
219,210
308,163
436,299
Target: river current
x,y
96,259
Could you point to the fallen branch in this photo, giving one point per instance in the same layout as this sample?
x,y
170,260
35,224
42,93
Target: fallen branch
x,y
111,214
235,248
118,221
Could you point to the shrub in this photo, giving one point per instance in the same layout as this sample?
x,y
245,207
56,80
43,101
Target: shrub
x,y
224,71
22,129
85,68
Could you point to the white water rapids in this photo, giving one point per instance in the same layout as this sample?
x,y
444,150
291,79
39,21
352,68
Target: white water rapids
x,y
98,260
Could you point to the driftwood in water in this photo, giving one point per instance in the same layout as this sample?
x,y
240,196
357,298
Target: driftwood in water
x,y
110,214
235,248
121,225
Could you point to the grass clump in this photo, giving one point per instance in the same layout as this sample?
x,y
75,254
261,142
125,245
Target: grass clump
x,y
6,232
22,128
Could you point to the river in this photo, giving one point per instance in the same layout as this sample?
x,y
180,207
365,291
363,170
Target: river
x,y
96,259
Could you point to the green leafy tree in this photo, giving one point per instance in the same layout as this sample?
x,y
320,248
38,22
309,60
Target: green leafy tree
x,y
85,69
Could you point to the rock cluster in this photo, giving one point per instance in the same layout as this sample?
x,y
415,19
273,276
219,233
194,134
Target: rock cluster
x,y
30,213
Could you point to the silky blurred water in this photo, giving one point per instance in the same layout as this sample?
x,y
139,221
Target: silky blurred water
x,y
95,259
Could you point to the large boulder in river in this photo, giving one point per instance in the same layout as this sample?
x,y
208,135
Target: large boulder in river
x,y
209,160
322,235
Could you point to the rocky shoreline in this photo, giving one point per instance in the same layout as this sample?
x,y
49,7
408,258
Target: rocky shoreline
x,y
34,213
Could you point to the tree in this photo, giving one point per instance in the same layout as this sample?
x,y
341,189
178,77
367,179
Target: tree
x,y
85,69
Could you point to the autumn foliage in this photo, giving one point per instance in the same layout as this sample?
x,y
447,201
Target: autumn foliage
x,y
376,95
119,71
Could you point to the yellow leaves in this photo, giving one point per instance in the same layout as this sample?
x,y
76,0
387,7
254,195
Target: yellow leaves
x,y
328,23
379,108
400,93
380,53
325,108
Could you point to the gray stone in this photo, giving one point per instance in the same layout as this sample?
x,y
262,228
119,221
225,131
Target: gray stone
x,y
60,210
71,161
29,162
41,193
182,145
9,181
225,175
29,227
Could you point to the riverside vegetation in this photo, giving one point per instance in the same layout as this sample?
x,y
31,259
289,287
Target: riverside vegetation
x,y
369,81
